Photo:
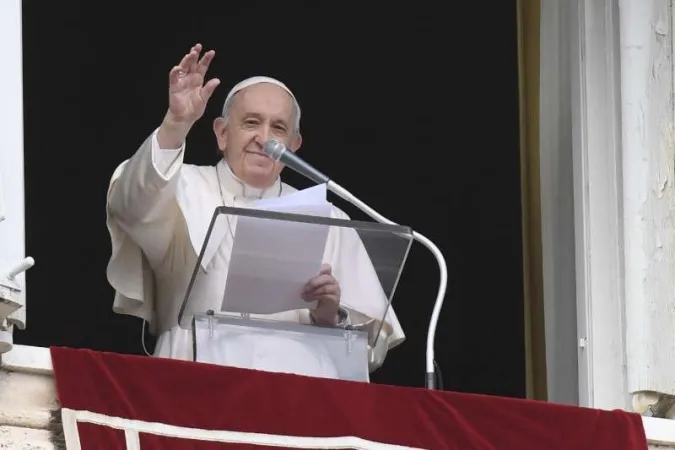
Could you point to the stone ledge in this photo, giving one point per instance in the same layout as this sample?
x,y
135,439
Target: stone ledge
x,y
29,408
26,438
660,432
23,358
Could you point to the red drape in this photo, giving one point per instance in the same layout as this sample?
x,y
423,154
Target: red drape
x,y
197,395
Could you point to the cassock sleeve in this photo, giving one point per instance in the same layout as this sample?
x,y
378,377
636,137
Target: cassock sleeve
x,y
362,293
142,197
141,215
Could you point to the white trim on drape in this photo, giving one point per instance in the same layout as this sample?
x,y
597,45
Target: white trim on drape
x,y
132,428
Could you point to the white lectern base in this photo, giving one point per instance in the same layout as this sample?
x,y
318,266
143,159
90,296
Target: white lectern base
x,y
275,346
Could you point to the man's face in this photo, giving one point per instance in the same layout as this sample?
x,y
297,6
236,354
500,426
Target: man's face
x,y
258,113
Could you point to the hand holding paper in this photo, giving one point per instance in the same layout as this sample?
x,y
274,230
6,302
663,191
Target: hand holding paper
x,y
325,290
272,260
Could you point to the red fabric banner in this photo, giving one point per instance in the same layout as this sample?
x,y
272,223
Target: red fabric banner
x,y
113,401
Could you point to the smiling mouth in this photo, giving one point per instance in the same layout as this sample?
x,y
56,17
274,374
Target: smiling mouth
x,y
264,155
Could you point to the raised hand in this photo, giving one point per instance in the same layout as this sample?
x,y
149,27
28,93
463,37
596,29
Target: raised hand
x,y
188,96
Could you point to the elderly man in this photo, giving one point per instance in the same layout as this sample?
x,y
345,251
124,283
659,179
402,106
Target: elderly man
x,y
159,209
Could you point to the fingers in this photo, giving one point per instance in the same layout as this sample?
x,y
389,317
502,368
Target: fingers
x,y
175,74
203,65
327,290
322,287
191,62
324,277
325,269
207,90
193,58
319,281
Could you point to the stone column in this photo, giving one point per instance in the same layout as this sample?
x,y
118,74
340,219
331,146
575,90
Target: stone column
x,y
648,153
12,247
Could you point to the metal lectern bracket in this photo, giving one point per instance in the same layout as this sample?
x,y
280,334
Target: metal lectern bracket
x,y
212,325
349,337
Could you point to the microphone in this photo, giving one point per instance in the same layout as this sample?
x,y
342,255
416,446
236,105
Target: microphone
x,y
277,151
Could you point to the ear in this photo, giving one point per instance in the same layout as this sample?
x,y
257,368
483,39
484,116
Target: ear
x,y
220,130
296,142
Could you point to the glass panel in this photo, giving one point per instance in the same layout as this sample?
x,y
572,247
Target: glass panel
x,y
263,258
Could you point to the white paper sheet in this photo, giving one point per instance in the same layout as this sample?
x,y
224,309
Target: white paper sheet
x,y
315,195
272,260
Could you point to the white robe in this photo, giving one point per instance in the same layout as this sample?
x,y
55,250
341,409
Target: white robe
x,y
158,213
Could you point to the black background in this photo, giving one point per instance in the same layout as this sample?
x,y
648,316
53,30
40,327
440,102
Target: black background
x,y
414,107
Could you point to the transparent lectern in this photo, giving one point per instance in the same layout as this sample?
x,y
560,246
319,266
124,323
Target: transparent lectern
x,y
259,319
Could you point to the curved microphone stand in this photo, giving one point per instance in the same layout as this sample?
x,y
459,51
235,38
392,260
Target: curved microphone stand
x,y
442,285
278,152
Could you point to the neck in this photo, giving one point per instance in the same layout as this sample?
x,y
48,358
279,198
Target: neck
x,y
237,187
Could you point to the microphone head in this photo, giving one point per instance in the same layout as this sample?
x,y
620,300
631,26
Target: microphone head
x,y
274,149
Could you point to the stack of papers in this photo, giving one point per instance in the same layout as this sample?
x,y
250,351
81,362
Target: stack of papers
x,y
272,260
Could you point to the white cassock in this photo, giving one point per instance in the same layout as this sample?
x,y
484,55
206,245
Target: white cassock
x,y
159,210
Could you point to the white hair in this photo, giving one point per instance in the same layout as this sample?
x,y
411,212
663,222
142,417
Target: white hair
x,y
229,101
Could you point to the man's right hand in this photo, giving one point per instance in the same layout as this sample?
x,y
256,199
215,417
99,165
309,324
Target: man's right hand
x,y
188,96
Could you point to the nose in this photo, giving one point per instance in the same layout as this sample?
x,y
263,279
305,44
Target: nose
x,y
263,134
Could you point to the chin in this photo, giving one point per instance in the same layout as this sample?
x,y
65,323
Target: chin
x,y
260,176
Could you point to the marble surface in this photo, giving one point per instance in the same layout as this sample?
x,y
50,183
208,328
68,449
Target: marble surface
x,y
25,358
28,402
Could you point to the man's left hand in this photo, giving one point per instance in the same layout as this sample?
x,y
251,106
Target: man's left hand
x,y
325,290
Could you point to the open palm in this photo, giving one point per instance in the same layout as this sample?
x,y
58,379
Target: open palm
x,y
188,95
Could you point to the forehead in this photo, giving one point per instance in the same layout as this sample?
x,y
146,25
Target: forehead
x,y
264,98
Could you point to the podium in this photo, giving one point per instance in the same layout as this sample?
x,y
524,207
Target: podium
x,y
261,321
